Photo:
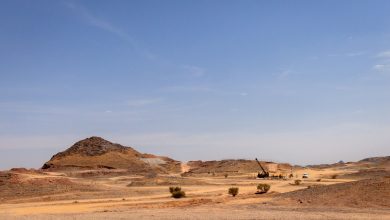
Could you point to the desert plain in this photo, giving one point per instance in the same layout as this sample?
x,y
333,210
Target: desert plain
x,y
96,179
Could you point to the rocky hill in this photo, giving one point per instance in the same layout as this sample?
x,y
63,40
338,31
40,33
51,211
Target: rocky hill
x,y
96,153
236,167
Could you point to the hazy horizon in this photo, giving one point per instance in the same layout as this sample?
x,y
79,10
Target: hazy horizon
x,y
303,82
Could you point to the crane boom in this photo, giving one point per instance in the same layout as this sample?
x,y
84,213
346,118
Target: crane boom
x,y
258,162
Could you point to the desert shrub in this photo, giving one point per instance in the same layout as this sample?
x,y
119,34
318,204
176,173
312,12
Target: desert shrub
x,y
318,180
226,175
263,188
176,192
334,176
174,188
297,182
233,191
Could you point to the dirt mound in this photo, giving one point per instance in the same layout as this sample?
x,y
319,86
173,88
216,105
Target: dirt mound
x,y
96,153
235,167
15,185
367,193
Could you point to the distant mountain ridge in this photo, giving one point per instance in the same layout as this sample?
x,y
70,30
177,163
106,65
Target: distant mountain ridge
x,y
376,159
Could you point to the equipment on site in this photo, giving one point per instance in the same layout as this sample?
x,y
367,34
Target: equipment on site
x,y
263,173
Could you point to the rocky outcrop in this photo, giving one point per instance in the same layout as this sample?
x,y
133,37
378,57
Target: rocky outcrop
x,y
97,153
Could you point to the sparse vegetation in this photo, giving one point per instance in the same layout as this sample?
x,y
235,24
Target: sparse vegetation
x,y
263,188
334,176
297,182
318,180
177,192
174,188
233,191
226,175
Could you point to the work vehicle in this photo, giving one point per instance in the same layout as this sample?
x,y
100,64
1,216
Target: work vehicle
x,y
263,173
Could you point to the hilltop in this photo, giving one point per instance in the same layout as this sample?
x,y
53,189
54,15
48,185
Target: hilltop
x,y
96,153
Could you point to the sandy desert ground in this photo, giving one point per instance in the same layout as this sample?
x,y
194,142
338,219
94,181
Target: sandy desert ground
x,y
116,195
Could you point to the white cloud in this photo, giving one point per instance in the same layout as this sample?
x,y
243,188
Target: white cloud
x,y
382,68
97,22
383,59
379,67
104,25
384,54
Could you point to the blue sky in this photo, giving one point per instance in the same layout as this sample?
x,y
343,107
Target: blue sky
x,y
280,80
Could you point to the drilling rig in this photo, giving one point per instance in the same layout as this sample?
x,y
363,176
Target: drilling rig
x,y
263,173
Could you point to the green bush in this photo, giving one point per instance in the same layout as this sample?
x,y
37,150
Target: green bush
x,y
233,191
263,188
176,192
